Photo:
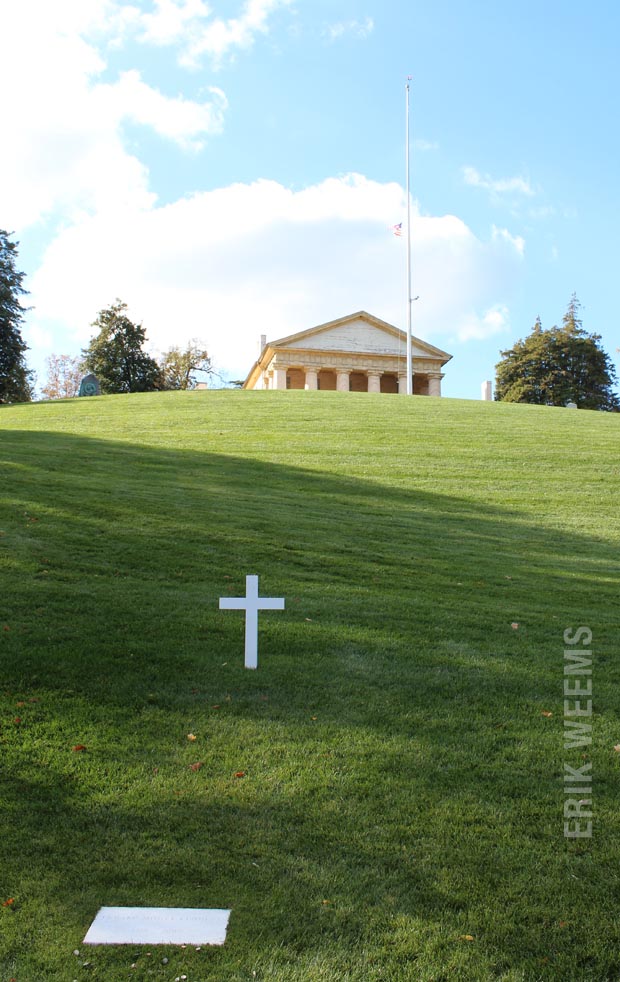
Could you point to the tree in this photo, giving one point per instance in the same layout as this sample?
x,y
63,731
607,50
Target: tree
x,y
15,378
179,365
64,374
557,366
115,354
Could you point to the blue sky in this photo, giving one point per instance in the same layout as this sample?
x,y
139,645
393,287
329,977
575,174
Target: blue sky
x,y
232,168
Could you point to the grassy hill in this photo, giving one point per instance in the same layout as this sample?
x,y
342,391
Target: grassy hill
x,y
400,809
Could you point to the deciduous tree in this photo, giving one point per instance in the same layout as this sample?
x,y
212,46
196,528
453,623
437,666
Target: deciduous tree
x,y
64,374
116,356
179,366
557,366
15,378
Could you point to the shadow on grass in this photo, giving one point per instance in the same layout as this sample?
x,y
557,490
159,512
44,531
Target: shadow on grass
x,y
416,797
121,549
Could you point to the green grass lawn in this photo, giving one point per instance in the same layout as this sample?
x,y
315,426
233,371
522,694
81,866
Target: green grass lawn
x,y
400,813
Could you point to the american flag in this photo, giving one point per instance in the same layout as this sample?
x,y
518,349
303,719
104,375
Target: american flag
x,y
398,229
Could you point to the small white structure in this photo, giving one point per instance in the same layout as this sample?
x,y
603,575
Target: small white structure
x,y
486,391
251,603
357,353
158,925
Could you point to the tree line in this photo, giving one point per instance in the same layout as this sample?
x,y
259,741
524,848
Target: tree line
x,y
553,367
115,354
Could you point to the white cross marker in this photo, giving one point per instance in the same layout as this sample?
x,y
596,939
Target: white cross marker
x,y
251,603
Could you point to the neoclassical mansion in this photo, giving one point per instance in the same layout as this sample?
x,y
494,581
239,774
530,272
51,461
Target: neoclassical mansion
x,y
358,353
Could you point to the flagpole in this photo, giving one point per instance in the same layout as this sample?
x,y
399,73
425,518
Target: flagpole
x,y
409,300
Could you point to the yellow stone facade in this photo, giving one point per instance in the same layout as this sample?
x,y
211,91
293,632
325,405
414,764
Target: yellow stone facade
x,y
358,353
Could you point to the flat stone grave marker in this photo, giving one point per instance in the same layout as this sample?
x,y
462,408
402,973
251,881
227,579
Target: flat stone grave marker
x,y
158,925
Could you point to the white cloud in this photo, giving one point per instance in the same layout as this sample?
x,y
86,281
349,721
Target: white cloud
x,y
219,37
355,28
180,120
249,259
226,265
173,21
425,145
517,242
67,148
505,185
496,320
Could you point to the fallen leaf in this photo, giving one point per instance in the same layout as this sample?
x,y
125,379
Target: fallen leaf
x,y
325,902
239,773
314,717
514,626
6,628
79,747
191,737
466,937
17,719
9,903
562,923
196,766
308,619
21,703
34,700
215,707
546,713
617,748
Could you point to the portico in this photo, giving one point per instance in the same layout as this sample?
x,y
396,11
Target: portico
x,y
358,353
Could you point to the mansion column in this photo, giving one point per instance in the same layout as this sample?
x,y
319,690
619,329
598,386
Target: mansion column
x,y
434,383
279,378
402,385
312,379
342,381
374,381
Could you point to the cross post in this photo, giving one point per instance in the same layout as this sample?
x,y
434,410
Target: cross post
x,y
251,603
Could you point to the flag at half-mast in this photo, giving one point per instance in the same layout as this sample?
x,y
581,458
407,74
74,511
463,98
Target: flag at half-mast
x,y
398,229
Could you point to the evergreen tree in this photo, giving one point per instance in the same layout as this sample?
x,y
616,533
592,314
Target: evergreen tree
x,y
15,379
561,365
115,354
